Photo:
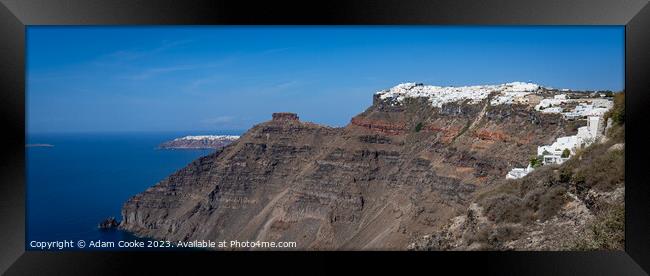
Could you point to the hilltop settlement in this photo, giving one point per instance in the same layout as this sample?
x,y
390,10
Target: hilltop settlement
x,y
199,142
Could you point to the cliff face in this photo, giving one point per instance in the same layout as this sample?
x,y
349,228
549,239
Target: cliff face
x,y
394,174
578,205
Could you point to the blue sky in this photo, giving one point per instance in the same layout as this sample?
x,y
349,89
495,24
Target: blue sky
x,y
102,79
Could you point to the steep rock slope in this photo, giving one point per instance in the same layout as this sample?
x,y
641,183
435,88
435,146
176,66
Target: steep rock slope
x,y
578,205
398,171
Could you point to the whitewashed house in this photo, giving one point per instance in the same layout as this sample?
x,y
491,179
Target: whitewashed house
x,y
560,144
554,159
519,172
591,109
552,154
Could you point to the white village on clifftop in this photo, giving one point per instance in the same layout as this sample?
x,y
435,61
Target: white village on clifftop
x,y
208,137
590,106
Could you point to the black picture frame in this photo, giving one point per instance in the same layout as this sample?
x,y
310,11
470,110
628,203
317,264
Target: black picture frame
x,y
15,15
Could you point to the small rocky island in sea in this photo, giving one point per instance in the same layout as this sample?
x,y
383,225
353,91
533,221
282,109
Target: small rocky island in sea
x,y
199,142
108,223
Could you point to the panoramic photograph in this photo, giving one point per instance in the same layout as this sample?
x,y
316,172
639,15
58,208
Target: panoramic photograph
x,y
402,138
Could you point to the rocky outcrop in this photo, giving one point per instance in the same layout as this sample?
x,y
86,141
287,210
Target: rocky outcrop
x,y
400,170
108,223
285,116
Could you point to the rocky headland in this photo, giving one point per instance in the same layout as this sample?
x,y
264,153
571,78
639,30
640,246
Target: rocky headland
x,y
423,168
199,142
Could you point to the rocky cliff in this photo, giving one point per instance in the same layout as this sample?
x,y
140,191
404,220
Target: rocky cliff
x,y
578,205
401,170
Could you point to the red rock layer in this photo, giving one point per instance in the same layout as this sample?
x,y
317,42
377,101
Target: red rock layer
x,y
380,126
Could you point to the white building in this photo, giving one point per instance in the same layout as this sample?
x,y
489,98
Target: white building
x,y
586,135
584,107
595,126
519,172
592,109
562,143
555,109
554,159
552,154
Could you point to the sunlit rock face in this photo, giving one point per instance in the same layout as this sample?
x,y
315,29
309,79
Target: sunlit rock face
x,y
400,170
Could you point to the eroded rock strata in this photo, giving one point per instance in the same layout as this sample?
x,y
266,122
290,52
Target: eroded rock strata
x,y
395,174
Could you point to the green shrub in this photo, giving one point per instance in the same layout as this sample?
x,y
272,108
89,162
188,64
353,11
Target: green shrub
x,y
606,233
566,153
551,201
536,161
418,127
579,178
504,208
565,175
617,113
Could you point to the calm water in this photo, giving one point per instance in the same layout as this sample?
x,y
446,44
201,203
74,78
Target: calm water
x,y
85,178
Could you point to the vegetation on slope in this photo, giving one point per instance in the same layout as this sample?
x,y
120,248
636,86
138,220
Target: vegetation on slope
x,y
605,233
593,172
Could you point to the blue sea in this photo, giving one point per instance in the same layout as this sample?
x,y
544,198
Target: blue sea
x,y
86,178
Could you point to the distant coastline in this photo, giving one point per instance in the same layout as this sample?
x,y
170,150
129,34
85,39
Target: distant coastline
x,y
199,142
39,145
